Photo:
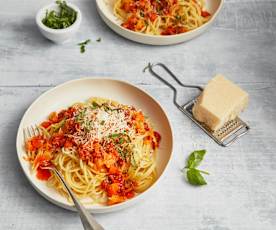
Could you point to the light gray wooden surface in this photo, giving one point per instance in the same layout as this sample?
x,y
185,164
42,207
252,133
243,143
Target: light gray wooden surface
x,y
241,190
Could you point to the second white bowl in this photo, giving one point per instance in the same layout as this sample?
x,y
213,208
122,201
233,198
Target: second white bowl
x,y
105,9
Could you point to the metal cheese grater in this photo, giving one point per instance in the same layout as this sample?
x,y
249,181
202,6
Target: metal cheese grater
x,y
226,135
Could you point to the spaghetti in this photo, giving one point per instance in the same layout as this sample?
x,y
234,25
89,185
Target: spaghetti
x,y
161,17
105,151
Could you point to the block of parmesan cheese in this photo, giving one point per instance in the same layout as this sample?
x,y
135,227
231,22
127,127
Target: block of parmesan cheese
x,y
220,101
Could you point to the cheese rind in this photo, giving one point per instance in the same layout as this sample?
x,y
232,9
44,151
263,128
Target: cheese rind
x,y
220,101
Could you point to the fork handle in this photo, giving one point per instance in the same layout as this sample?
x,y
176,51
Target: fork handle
x,y
88,221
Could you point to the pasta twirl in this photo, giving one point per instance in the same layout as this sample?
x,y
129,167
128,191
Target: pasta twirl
x,y
105,151
161,17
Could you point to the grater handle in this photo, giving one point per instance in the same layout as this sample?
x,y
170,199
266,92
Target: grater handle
x,y
150,67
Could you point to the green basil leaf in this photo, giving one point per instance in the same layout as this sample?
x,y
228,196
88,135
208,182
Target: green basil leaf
x,y
195,178
195,158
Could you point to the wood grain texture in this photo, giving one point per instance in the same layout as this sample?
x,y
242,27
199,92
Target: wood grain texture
x,y
241,190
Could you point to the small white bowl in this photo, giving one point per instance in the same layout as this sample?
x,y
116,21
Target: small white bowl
x,y
105,9
57,35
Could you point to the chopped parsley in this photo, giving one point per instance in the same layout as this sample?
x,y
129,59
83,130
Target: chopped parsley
x,y
62,19
83,45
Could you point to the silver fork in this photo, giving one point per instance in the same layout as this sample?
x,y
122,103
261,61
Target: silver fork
x,y
88,221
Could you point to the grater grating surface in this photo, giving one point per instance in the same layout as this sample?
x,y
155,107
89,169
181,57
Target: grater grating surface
x,y
224,136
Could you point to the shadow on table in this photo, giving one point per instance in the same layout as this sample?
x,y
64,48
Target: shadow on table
x,y
27,33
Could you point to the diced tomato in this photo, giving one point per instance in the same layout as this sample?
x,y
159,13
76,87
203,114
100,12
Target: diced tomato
x,y
146,126
29,146
169,31
115,199
147,139
100,165
174,30
205,14
156,142
84,154
113,189
115,178
142,4
113,170
53,117
42,160
46,124
139,25
35,143
157,136
69,113
129,195
130,22
68,144
58,140
43,174
104,184
152,16
129,7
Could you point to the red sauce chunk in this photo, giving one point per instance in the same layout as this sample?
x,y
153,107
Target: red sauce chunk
x,y
43,174
205,14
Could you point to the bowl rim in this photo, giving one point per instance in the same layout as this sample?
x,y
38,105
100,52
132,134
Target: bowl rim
x,y
134,33
41,13
96,209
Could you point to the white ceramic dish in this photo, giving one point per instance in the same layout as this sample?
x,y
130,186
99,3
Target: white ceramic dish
x,y
58,35
105,9
65,95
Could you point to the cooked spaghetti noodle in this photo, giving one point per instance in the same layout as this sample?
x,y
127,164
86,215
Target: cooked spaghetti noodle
x,y
105,151
161,17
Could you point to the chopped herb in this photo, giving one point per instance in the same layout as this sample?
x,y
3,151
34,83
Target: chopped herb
x,y
102,122
62,19
55,127
94,104
99,40
178,17
123,154
114,135
121,140
193,174
133,162
83,45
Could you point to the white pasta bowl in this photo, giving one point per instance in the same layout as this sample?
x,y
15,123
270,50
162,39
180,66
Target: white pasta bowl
x,y
105,9
78,90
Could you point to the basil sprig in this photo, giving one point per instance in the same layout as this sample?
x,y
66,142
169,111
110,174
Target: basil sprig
x,y
193,174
